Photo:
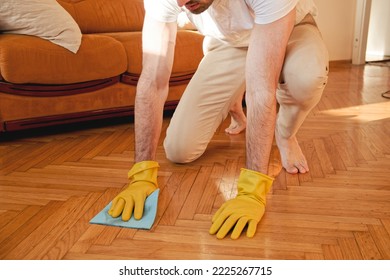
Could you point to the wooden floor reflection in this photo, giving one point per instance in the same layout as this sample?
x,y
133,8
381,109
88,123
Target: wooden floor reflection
x,y
52,184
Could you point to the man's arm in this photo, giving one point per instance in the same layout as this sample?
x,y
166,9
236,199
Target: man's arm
x,y
158,44
264,63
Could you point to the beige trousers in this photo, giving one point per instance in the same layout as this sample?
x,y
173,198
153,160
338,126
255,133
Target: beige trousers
x,y
220,80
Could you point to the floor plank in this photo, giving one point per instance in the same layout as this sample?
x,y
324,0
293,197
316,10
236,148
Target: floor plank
x,y
53,182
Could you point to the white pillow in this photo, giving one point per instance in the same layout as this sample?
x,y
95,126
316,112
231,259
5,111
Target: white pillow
x,y
43,18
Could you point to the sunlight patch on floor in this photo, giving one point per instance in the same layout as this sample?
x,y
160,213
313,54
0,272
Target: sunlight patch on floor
x,y
362,113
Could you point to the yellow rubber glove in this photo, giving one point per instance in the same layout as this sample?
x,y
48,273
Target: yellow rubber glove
x,y
143,181
247,208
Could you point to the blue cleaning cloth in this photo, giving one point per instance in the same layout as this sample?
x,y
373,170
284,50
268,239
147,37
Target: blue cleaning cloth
x,y
146,222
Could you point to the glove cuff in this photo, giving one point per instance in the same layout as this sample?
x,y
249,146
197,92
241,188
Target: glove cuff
x,y
144,171
254,183
142,166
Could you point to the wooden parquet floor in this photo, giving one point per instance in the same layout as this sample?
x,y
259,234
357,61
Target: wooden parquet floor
x,y
53,182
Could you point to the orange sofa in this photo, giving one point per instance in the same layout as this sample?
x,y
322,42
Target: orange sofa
x,y
43,84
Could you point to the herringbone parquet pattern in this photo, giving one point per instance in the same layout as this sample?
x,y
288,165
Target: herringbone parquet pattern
x,y
52,184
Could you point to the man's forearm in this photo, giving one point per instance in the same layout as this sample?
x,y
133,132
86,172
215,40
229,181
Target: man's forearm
x,y
149,105
264,63
260,131
158,44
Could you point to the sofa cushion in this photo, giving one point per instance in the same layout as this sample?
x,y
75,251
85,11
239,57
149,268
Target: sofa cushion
x,y
42,18
97,16
29,59
188,51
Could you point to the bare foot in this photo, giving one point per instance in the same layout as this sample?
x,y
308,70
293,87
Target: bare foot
x,y
293,159
237,120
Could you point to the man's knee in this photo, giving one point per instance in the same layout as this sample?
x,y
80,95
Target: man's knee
x,y
306,82
314,81
181,151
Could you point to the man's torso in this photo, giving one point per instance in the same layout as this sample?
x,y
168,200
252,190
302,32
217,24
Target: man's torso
x,y
231,21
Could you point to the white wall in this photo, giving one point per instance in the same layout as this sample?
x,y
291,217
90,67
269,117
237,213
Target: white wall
x,y
336,19
378,42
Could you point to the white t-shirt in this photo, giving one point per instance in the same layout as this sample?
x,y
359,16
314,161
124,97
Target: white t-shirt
x,y
230,20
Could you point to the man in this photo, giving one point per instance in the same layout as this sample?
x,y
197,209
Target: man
x,y
272,50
